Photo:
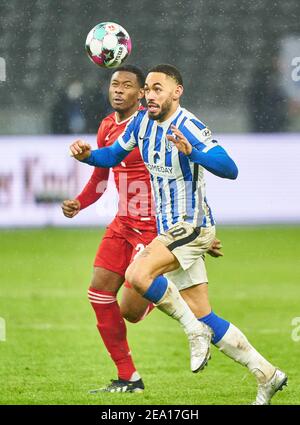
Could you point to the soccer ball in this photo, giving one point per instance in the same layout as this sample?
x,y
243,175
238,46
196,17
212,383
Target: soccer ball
x,y
108,44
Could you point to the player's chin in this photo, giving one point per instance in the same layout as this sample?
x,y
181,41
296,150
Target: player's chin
x,y
119,107
154,115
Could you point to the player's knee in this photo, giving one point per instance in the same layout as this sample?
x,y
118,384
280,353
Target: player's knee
x,y
98,284
128,314
95,285
132,276
138,279
105,280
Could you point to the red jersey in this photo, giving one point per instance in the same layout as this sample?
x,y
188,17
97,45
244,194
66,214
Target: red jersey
x,y
131,177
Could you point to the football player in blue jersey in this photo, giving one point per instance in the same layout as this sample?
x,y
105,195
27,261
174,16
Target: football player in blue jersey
x,y
176,146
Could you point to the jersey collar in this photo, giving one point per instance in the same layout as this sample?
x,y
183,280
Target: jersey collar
x,y
127,119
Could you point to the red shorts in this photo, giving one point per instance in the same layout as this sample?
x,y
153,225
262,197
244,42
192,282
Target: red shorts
x,y
119,246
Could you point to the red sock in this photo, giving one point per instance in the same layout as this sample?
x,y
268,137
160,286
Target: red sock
x,y
112,329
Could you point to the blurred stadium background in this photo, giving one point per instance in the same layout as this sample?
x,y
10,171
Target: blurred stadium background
x,y
217,44
239,60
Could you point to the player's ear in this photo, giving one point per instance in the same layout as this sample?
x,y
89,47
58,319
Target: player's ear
x,y
141,93
178,92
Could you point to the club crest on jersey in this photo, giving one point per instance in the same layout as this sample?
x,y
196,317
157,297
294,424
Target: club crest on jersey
x,y
169,145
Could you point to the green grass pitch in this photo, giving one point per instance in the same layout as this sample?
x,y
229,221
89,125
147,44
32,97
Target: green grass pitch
x,y
53,353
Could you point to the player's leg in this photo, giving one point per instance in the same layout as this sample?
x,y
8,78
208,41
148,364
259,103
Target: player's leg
x,y
134,307
232,342
145,274
114,254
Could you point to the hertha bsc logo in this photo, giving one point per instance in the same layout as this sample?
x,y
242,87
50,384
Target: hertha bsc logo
x,y
169,145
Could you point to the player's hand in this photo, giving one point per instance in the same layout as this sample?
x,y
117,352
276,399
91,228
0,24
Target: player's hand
x,y
215,249
80,150
181,142
70,208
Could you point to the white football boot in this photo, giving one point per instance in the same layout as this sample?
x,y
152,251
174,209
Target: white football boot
x,y
200,347
266,391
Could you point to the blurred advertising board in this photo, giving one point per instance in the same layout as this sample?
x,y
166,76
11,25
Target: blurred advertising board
x,y
37,173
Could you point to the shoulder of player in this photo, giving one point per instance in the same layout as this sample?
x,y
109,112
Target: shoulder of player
x,y
139,116
141,113
194,125
109,119
190,120
104,128
136,118
107,122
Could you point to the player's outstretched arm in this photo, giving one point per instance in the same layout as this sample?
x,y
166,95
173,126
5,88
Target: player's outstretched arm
x,y
105,157
80,150
111,155
216,160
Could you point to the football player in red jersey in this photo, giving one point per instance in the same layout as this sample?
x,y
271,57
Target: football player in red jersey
x,y
133,228
127,234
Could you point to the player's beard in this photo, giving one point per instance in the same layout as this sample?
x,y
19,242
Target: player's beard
x,y
165,109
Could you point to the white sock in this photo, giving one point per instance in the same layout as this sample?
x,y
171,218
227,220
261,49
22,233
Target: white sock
x,y
135,376
236,346
174,305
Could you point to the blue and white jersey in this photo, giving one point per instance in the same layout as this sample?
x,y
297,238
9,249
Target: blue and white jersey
x,y
177,182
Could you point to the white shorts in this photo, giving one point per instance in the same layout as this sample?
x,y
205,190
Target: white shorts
x,y
194,275
189,245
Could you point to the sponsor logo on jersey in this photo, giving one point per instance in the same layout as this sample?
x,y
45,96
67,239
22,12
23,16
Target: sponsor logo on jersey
x,y
206,133
160,170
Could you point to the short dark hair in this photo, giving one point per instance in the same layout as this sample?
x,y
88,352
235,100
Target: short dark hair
x,y
169,70
134,70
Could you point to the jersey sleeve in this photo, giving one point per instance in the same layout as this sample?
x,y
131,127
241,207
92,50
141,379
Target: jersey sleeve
x,y
206,151
101,134
94,188
97,183
112,155
215,160
198,134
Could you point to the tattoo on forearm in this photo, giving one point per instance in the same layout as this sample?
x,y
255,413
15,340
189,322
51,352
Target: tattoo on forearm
x,y
146,252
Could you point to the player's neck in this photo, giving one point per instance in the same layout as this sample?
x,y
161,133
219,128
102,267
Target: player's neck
x,y
124,115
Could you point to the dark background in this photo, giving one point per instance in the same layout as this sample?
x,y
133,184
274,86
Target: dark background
x,y
218,45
